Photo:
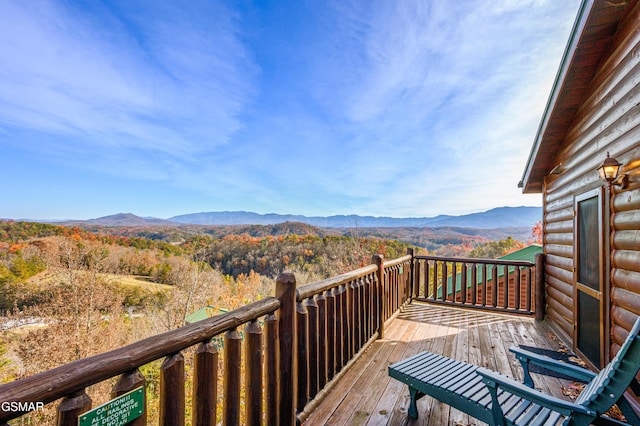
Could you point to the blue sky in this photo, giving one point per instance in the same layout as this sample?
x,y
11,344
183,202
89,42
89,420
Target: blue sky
x,y
384,108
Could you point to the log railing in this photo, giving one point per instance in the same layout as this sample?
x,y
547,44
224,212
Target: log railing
x,y
313,334
70,381
503,285
359,302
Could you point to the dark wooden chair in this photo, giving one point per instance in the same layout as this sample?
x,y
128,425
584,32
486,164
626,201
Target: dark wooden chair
x,y
499,400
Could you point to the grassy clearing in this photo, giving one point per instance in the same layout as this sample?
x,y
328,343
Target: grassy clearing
x,y
136,290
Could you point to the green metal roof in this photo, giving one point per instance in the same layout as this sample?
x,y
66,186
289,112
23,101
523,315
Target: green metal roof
x,y
527,254
203,313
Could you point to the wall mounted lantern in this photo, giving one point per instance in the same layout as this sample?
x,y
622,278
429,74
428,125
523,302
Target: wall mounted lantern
x,y
609,172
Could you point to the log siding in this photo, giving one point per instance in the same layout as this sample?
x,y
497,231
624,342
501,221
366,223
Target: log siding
x,y
608,120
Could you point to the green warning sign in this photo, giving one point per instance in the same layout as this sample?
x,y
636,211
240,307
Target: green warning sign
x,y
117,412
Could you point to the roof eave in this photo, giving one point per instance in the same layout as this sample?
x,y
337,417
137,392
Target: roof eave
x,y
532,182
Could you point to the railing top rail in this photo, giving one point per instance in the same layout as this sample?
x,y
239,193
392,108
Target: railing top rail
x,y
398,261
310,290
481,261
60,381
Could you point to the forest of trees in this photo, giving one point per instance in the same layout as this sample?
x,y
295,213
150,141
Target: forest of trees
x,y
68,293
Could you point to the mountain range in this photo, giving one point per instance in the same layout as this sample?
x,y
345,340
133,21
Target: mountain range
x,y
501,217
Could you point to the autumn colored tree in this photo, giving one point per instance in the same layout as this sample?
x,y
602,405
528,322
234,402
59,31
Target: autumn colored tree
x,y
194,285
537,233
496,249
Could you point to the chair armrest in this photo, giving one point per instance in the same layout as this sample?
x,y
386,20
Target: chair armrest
x,y
494,380
527,357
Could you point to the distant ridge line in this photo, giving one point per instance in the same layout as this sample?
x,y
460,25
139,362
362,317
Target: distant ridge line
x,y
499,217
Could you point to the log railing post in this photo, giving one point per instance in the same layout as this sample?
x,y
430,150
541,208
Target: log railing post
x,y
128,382
540,291
253,374
205,385
378,260
288,389
232,378
172,391
273,370
71,407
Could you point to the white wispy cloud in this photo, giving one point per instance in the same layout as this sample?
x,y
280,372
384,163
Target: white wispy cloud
x,y
166,78
439,91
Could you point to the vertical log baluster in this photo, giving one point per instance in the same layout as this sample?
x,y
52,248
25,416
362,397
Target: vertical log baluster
x,y
494,280
340,332
378,304
288,389
303,355
172,391
400,286
273,370
386,294
128,382
463,283
323,340
253,373
346,331
391,274
454,280
232,378
505,274
527,303
413,281
72,407
445,281
420,290
373,295
312,348
396,289
351,317
368,313
517,284
484,284
332,335
205,385
355,317
365,313
434,295
474,283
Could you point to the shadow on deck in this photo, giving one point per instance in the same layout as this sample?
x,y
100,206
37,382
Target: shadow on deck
x,y
366,395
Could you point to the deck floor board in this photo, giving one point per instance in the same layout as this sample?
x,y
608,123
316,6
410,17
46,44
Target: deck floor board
x,y
366,395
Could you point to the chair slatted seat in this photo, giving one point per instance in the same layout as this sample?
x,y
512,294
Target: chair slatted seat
x,y
499,400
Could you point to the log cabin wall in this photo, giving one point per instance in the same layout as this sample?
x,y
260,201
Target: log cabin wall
x,y
608,120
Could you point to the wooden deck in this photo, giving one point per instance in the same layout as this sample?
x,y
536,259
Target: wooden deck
x,y
366,395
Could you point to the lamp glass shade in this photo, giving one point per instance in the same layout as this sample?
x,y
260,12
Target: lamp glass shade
x,y
609,168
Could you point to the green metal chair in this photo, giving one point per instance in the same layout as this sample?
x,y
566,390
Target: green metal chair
x,y
499,400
